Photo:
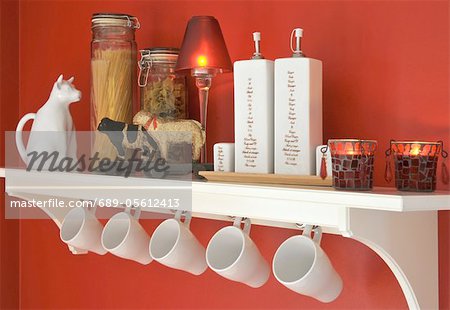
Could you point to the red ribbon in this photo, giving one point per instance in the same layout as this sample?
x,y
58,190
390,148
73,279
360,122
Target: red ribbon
x,y
323,168
388,170
153,120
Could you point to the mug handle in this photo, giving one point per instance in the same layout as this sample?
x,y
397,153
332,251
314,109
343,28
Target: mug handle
x,y
137,211
317,233
187,217
247,224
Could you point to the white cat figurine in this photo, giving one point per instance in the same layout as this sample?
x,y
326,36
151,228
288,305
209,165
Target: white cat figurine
x,y
53,117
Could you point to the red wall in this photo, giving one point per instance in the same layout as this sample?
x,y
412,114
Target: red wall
x,y
9,103
385,76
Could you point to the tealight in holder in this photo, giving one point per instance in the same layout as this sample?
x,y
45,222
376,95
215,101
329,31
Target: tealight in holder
x,y
415,165
352,163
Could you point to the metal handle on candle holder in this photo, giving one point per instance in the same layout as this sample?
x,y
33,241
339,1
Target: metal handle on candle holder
x,y
388,152
444,153
445,174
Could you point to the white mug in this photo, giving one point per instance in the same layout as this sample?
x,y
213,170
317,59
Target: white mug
x,y
123,236
82,230
301,265
174,245
233,255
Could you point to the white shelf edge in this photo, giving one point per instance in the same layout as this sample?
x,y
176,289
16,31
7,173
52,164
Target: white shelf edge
x,y
385,199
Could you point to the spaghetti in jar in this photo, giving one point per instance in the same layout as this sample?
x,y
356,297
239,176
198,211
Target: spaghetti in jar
x,y
113,74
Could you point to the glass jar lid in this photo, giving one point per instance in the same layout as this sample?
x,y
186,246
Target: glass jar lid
x,y
113,19
159,55
164,56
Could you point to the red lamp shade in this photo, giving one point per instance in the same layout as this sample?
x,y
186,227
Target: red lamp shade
x,y
203,46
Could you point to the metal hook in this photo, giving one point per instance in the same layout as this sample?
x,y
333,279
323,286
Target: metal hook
x,y
303,226
144,67
130,21
179,214
247,223
136,23
136,208
232,218
183,212
388,152
444,153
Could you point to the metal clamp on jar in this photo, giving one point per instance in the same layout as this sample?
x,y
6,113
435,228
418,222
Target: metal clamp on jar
x,y
162,90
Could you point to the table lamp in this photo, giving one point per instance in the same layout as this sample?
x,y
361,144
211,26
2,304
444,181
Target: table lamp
x,y
205,54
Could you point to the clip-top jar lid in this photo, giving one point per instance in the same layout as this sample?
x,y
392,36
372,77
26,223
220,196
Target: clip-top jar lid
x,y
115,19
160,55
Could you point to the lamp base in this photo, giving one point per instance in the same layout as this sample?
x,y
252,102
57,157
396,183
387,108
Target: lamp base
x,y
203,77
205,72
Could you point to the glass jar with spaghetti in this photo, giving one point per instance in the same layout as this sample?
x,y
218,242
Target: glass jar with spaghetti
x,y
162,90
113,73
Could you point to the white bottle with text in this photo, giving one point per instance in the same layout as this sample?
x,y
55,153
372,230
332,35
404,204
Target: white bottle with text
x,y
253,113
298,112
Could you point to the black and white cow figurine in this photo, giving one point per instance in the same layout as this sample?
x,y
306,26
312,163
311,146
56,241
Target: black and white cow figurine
x,y
124,136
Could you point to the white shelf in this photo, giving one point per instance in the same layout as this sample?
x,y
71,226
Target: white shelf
x,y
400,227
386,199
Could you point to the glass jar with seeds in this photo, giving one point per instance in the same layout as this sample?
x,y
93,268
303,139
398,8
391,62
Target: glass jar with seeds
x,y
162,90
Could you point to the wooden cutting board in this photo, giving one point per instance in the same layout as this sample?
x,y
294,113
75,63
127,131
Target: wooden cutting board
x,y
262,178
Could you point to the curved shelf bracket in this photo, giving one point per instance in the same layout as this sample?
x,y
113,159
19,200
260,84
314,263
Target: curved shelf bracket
x,y
408,243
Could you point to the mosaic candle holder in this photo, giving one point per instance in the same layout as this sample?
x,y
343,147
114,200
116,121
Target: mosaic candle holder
x,y
415,165
352,163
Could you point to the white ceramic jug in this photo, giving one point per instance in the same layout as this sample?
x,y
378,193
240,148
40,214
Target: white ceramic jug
x,y
53,128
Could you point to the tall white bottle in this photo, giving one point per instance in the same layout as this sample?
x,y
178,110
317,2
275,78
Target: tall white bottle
x,y
298,111
253,113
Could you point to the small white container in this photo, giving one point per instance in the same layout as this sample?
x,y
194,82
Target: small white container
x,y
298,112
224,157
253,113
